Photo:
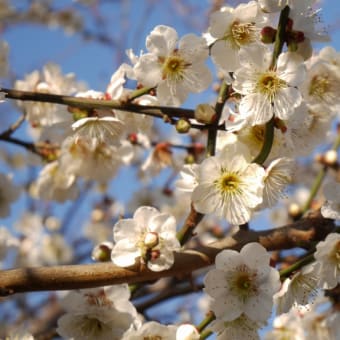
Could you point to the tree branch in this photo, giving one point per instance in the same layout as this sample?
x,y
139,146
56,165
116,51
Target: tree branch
x,y
299,234
86,103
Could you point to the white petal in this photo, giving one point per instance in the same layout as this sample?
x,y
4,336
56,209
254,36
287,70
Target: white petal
x,y
257,107
124,253
193,48
126,229
148,71
162,40
285,101
224,56
144,214
290,68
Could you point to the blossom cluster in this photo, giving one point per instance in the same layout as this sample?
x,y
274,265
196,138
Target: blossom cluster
x,y
276,103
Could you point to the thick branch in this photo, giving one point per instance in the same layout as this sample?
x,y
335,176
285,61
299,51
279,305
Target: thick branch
x,y
86,103
299,234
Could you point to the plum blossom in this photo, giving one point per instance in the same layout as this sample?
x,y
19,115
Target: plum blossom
x,y
50,80
174,70
94,141
229,185
187,332
98,313
331,207
297,290
321,87
150,235
53,184
327,255
7,241
151,330
278,176
268,92
287,326
55,250
238,329
242,283
233,29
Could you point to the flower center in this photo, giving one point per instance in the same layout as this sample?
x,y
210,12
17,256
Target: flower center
x,y
258,133
243,282
336,254
228,183
269,84
319,86
149,245
92,326
243,34
174,67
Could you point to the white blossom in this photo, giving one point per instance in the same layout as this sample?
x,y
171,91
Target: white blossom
x,y
50,80
233,29
92,144
54,184
229,186
7,241
242,283
287,326
187,332
150,235
151,330
331,207
328,256
55,250
98,313
174,70
297,290
278,176
237,329
268,92
321,87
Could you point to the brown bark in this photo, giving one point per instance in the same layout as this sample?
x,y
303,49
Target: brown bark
x,y
299,234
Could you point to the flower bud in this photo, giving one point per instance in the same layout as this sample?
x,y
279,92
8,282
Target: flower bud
x,y
330,157
183,125
205,114
271,6
102,252
151,240
268,35
294,210
187,332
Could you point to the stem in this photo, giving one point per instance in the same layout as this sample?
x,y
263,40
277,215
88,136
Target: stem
x,y
13,127
209,318
29,146
267,143
296,266
138,93
279,42
189,225
205,334
319,179
212,130
280,37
